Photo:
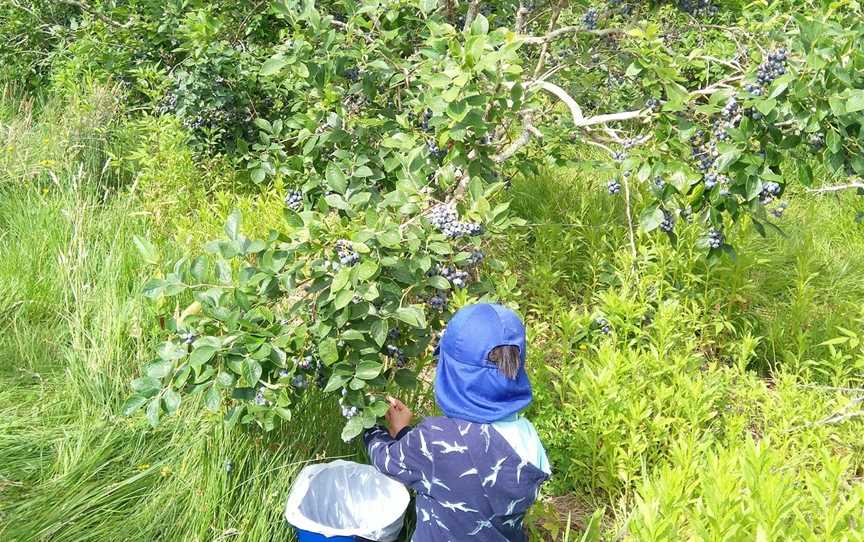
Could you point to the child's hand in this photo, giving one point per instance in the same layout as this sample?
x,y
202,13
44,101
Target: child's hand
x,y
398,416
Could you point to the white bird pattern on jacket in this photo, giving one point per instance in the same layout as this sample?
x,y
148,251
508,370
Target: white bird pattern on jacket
x,y
447,448
458,506
492,479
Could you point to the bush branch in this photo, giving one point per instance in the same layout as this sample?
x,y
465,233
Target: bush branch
x,y
82,5
473,10
836,188
564,30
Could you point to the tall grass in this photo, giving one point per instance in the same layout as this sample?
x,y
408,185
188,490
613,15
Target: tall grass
x,y
75,330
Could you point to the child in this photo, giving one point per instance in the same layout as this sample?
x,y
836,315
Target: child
x,y
477,470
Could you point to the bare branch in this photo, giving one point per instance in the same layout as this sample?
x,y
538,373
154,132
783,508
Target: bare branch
x,y
610,117
562,95
836,188
81,4
520,18
714,87
473,9
551,36
846,413
524,138
553,20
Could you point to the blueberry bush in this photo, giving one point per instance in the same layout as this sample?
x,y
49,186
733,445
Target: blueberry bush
x,y
395,129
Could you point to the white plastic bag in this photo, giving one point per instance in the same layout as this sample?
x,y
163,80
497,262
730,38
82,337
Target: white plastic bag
x,y
342,498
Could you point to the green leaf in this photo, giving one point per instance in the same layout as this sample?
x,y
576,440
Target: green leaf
x,y
232,225
379,408
336,382
258,175
133,404
480,25
413,316
650,218
855,102
341,279
379,332
363,172
154,410
171,400
352,429
251,370
225,379
159,369
405,379
766,106
273,65
213,399
328,351
367,269
805,174
343,299
336,180
146,386
147,250
201,355
367,370
283,413
439,282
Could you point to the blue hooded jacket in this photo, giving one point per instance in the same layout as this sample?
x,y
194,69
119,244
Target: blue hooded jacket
x,y
471,484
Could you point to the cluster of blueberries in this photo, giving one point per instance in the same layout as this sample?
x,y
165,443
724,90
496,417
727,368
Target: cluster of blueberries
x,y
352,74
605,328
590,18
347,255
434,150
438,301
347,411
305,362
396,353
698,7
457,277
294,200
476,258
712,179
446,219
817,141
424,124
770,190
259,398
668,223
730,118
652,104
613,186
188,337
773,67
704,153
715,238
659,183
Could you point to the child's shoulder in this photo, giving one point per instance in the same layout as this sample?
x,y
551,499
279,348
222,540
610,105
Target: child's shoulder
x,y
437,423
444,424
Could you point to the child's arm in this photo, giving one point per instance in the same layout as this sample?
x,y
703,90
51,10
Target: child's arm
x,y
393,453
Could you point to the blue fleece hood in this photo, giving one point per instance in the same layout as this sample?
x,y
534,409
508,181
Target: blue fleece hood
x,y
467,385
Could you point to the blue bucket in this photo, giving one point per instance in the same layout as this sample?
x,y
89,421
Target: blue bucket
x,y
309,536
